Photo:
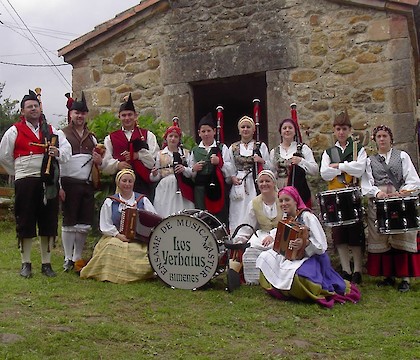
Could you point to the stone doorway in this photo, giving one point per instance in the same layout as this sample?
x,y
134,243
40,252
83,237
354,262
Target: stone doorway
x,y
235,94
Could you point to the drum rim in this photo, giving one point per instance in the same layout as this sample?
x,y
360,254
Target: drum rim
x,y
343,190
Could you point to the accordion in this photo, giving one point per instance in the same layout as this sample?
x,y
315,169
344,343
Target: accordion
x,y
288,230
128,223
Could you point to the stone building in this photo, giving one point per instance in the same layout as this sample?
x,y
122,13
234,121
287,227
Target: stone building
x,y
183,57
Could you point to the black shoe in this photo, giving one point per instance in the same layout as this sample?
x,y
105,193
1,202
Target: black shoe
x,y
345,275
356,278
404,286
388,281
47,270
68,265
26,270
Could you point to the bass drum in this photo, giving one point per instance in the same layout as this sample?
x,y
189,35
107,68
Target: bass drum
x,y
186,250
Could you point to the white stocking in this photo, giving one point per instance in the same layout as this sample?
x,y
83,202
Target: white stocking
x,y
68,238
25,253
46,246
357,258
343,253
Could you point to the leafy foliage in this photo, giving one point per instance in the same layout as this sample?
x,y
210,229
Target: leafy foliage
x,y
8,112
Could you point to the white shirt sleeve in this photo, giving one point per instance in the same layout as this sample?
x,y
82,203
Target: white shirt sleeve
x,y
410,175
7,146
308,162
318,241
109,164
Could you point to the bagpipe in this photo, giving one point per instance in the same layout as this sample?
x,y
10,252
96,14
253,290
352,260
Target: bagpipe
x,y
296,173
185,186
50,170
257,151
215,188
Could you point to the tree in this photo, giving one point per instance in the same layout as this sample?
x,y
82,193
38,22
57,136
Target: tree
x,y
8,112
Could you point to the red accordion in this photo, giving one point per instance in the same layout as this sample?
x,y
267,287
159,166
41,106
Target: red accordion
x,y
288,230
137,224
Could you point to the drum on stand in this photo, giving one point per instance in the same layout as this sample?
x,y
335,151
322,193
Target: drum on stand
x,y
186,250
340,207
397,215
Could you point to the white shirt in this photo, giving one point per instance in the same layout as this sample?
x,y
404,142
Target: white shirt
x,y
30,165
410,175
354,168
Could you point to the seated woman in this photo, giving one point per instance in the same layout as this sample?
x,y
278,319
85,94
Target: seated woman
x,y
115,258
263,214
312,277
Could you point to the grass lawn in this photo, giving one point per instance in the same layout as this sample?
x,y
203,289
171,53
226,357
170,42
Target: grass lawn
x,y
69,318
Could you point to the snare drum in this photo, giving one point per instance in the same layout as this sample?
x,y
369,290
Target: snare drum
x,y
341,206
397,215
186,250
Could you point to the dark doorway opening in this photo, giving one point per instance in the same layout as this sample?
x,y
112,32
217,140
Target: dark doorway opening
x,y
236,95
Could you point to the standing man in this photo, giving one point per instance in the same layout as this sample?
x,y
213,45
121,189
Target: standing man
x,y
131,147
342,166
210,164
76,193
30,151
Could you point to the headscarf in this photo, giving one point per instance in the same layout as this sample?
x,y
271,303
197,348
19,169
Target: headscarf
x,y
292,192
120,175
268,173
383,128
171,129
246,119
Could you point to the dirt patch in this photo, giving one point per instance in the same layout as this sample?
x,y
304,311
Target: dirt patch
x,y
10,338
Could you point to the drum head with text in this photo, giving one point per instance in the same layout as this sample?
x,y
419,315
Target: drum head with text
x,y
183,252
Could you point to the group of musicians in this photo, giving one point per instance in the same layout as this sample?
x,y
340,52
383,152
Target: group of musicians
x,y
49,165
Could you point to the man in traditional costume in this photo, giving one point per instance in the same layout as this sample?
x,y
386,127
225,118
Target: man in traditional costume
x,y
131,147
77,188
342,165
30,151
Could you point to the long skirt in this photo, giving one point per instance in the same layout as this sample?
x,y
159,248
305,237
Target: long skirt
x,y
317,281
118,262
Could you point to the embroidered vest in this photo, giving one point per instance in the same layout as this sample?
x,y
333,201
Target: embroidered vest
x,y
380,176
264,222
243,163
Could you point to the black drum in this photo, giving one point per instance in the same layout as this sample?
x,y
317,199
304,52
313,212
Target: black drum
x,y
187,250
397,215
341,207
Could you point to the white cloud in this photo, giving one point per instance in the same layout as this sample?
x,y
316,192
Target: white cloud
x,y
60,16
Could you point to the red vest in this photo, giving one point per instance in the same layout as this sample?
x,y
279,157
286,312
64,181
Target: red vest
x,y
25,136
120,144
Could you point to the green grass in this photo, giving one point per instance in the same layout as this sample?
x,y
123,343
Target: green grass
x,y
69,318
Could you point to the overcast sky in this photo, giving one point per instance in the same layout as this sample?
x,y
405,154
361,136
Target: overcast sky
x,y
53,23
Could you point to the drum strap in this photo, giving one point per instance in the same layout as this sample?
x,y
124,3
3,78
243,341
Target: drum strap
x,y
335,158
391,176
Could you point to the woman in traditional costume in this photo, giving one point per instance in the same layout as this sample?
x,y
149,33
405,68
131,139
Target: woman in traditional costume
x,y
312,277
292,160
116,258
247,161
263,214
174,191
390,173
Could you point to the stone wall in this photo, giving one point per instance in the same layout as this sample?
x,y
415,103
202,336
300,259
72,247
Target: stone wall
x,y
321,55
